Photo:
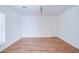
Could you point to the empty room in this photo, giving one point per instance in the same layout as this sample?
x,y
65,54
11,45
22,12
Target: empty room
x,y
39,28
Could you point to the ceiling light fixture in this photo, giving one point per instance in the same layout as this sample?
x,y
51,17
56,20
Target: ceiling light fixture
x,y
41,9
24,6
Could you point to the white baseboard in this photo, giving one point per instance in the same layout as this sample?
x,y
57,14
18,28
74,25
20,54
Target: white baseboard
x,y
38,36
7,45
74,45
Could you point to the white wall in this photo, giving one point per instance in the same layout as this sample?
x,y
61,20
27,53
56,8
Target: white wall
x,y
39,26
12,26
69,26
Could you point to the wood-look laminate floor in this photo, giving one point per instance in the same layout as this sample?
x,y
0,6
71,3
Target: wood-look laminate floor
x,y
41,45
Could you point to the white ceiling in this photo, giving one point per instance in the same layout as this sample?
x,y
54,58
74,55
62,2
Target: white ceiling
x,y
47,9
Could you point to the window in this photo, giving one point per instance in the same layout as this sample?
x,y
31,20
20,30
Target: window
x,y
2,28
